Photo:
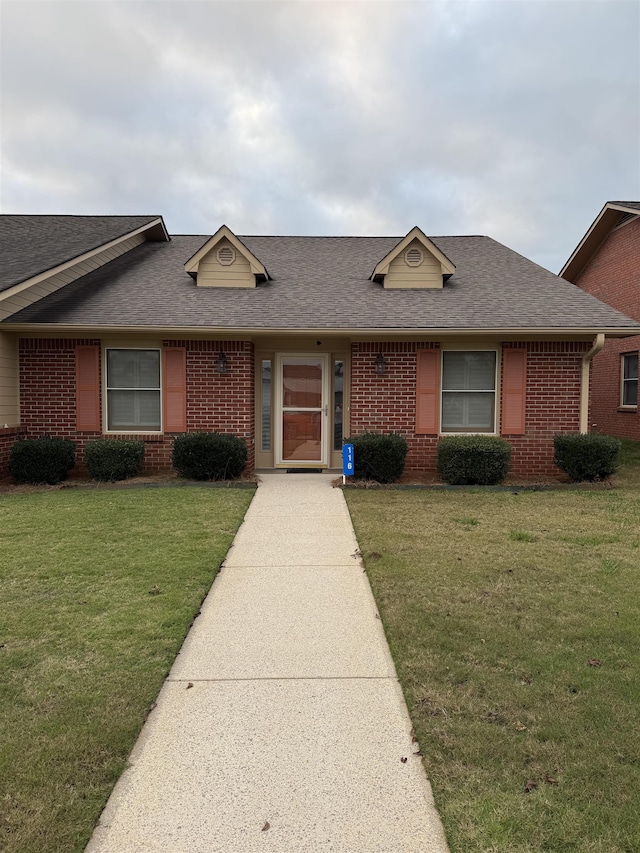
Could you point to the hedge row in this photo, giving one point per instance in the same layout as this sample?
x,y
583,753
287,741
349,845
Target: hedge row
x,y
199,456
462,459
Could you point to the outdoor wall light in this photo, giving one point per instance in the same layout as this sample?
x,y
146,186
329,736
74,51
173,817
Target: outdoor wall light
x,y
381,365
221,363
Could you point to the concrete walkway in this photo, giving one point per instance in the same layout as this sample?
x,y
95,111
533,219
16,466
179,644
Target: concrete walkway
x,y
281,727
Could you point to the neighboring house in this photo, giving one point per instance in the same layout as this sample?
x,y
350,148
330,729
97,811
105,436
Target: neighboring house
x,y
108,326
606,263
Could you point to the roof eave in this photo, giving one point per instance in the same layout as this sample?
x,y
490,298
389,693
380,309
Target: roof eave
x,y
597,233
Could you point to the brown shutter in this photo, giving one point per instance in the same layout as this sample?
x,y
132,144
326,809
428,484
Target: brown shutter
x,y
427,391
88,389
514,387
174,393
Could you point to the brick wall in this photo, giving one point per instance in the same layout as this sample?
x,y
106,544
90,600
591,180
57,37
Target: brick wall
x,y
613,275
387,403
7,438
222,402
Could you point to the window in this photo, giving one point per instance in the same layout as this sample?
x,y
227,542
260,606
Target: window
x,y
468,391
629,395
133,390
338,403
266,404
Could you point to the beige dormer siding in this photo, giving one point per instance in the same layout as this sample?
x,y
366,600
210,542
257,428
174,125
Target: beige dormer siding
x,y
9,400
211,273
403,276
44,284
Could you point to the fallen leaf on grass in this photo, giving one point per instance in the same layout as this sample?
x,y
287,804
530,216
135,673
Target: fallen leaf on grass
x,y
595,662
524,679
550,780
155,590
266,826
530,786
520,727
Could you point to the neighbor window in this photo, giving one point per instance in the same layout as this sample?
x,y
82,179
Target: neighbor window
x,y
629,395
133,390
468,391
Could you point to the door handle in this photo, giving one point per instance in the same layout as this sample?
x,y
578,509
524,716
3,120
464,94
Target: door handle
x,y
326,409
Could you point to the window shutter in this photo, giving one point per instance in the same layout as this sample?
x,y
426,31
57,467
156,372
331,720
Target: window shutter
x,y
88,389
427,391
174,389
514,386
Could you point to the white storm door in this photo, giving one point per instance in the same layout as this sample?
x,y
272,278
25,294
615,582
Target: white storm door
x,y
302,410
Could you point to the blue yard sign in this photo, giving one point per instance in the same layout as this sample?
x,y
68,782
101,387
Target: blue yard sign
x,y
348,463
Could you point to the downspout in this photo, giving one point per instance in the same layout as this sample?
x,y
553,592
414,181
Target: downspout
x,y
584,385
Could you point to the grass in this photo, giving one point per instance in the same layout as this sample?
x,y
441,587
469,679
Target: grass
x,y
84,646
514,622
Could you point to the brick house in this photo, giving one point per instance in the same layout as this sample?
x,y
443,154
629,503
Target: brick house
x,y
606,263
109,326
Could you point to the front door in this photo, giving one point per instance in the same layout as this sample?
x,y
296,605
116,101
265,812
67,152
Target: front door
x,y
302,411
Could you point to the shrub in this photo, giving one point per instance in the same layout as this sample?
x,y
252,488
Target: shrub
x,y
42,460
378,457
209,456
111,459
473,460
587,456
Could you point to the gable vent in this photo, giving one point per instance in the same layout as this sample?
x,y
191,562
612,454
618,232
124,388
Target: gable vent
x,y
226,255
413,256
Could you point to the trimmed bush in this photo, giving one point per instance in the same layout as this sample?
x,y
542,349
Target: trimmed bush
x,y
42,460
587,456
378,457
473,460
110,459
209,456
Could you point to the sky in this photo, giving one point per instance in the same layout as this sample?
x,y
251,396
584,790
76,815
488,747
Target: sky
x,y
512,118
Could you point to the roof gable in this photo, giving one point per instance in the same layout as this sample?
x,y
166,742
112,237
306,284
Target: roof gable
x,y
212,265
612,214
416,248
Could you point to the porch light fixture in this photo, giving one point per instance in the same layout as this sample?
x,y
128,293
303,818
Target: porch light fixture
x,y
221,363
380,365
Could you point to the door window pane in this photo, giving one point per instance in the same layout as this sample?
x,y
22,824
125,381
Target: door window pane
x,y
301,384
301,436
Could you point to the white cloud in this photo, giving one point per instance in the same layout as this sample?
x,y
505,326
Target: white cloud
x,y
513,119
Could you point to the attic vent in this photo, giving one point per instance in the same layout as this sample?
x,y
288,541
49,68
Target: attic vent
x,y
226,255
413,256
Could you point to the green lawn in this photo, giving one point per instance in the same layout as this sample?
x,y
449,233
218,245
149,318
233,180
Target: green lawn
x,y
514,622
85,646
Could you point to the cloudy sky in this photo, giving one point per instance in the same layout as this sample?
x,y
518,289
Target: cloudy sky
x,y
513,118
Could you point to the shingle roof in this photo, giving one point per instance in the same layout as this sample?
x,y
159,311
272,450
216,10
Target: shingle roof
x,y
323,283
634,204
30,245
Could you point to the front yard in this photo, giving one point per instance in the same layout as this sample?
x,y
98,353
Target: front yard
x,y
99,589
514,622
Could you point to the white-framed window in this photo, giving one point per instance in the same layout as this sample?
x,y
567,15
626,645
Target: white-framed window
x,y
468,391
133,402
629,379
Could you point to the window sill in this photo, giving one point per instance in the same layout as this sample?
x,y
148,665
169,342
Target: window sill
x,y
138,436
631,409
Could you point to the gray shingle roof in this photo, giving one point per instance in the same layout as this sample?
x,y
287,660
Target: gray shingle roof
x,y
634,204
322,283
30,245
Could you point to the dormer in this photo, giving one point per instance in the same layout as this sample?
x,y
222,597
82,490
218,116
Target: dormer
x,y
224,261
415,263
